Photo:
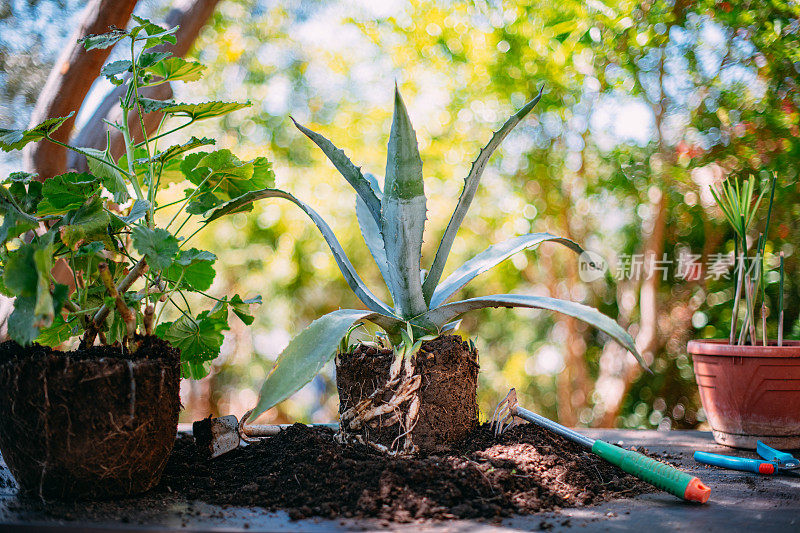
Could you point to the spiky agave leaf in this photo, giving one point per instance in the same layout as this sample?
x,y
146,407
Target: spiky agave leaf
x,y
371,230
347,169
491,257
471,183
348,271
444,314
308,352
403,213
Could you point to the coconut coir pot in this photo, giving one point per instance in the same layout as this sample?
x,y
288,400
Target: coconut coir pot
x,y
93,423
750,393
447,395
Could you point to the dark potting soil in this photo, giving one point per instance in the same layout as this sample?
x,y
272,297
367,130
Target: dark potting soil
x,y
93,423
307,473
149,348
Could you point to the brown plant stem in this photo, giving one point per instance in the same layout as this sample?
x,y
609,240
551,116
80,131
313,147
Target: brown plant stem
x,y
126,314
149,315
136,272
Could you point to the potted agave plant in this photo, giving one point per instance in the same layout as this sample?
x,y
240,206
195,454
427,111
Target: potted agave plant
x,y
417,390
85,256
748,382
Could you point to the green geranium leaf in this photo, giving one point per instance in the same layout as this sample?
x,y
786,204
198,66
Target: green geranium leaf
x,y
148,59
17,139
179,149
21,177
199,340
59,332
149,105
226,175
22,323
158,245
20,275
114,69
27,276
14,225
241,308
112,179
65,192
103,40
198,111
138,210
90,249
88,223
26,194
262,172
177,69
153,33
206,110
202,202
195,269
15,221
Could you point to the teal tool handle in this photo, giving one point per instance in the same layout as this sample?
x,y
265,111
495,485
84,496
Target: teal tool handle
x,y
663,476
735,463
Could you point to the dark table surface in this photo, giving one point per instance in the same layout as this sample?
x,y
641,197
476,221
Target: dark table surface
x,y
739,502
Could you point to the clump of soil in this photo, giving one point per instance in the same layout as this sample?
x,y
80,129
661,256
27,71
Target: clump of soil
x,y
307,473
97,422
448,407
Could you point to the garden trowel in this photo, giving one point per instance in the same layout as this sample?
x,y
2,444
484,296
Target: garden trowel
x,y
218,436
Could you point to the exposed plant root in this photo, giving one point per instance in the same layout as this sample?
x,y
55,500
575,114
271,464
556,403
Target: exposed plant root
x,y
409,399
372,410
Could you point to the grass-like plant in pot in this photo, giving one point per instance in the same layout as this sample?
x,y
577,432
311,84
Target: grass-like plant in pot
x,y
418,389
87,255
748,382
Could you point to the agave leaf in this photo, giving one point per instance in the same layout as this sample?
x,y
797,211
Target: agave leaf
x,y
471,183
347,169
348,271
305,356
444,314
491,257
371,230
403,213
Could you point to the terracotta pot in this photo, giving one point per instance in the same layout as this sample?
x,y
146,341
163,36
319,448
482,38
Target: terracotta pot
x,y
750,393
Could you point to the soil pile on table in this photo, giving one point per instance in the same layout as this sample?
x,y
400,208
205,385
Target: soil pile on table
x,y
305,472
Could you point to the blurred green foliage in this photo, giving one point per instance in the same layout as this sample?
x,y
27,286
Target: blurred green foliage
x,y
645,104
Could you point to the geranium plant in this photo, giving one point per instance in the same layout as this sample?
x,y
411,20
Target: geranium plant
x,y
87,254
392,221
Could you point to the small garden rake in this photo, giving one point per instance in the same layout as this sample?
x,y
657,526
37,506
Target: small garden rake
x,y
663,476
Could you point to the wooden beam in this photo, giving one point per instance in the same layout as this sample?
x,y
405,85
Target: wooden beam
x,y
69,82
191,16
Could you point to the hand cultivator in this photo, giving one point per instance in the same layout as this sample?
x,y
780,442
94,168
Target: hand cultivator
x,y
218,436
658,474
